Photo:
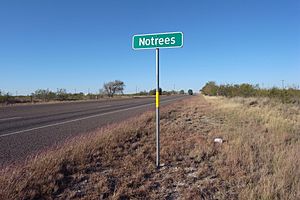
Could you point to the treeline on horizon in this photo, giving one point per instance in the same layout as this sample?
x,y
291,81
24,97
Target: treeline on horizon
x,y
285,95
46,95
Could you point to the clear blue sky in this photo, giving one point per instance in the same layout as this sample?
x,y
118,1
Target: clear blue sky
x,y
82,44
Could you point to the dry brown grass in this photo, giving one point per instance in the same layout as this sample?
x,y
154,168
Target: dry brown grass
x,y
258,160
263,146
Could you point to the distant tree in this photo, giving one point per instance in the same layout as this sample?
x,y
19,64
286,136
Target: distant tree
x,y
167,92
62,94
160,91
190,92
210,89
113,87
246,90
2,97
42,94
143,93
50,96
174,92
181,92
78,96
153,92
7,98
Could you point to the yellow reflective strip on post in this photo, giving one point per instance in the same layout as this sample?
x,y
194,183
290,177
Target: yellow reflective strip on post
x,y
157,99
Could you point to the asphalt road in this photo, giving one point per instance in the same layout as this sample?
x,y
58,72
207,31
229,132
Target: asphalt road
x,y
28,129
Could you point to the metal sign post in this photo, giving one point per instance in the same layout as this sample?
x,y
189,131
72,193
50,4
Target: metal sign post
x,y
157,110
157,41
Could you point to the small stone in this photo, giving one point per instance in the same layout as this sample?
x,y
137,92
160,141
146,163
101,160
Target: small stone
x,y
218,140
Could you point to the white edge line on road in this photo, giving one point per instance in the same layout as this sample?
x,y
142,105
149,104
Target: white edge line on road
x,y
5,119
79,119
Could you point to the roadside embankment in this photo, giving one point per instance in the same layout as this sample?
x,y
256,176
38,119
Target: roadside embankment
x,y
258,157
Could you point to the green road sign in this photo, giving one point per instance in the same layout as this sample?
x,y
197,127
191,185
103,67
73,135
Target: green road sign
x,y
157,40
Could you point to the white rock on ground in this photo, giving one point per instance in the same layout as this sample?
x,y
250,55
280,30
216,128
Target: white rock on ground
x,y
218,140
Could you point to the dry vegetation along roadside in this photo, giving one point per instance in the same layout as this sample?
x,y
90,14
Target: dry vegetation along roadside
x,y
258,160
